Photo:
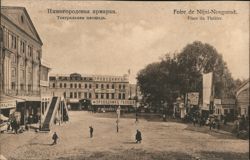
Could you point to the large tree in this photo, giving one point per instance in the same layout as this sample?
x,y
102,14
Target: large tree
x,y
182,73
198,58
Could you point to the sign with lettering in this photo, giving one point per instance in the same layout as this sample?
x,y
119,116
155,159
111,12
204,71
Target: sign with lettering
x,y
5,105
193,98
112,102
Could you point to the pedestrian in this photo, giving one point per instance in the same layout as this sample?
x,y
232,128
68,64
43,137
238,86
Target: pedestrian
x,y
136,117
54,137
15,126
138,136
91,130
210,124
164,117
194,121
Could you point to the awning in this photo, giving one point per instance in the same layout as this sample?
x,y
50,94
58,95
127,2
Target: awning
x,y
3,118
9,102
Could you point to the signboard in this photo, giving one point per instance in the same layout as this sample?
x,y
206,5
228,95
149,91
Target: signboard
x,y
5,105
193,98
112,102
207,90
217,101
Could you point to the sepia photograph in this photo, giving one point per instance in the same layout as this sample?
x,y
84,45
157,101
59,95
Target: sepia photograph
x,y
124,80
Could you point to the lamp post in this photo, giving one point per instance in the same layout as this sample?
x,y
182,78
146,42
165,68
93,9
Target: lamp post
x,y
118,111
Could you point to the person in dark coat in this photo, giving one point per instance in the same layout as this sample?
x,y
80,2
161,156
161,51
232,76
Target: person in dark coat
x,y
138,136
54,137
91,130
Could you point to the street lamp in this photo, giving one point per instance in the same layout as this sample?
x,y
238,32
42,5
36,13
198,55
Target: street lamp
x,y
118,111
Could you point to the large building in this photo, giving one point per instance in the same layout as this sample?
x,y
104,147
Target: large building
x,y
100,91
24,79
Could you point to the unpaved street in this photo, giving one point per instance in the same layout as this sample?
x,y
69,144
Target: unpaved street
x,y
160,140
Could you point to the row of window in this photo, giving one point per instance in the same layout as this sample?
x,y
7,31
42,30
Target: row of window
x,y
97,96
12,43
22,86
61,85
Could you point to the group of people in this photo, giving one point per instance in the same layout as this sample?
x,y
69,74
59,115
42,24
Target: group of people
x,y
14,125
138,136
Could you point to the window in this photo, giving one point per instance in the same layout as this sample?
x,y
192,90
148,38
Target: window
x,y
13,85
64,94
65,85
21,86
120,96
113,96
75,85
75,95
71,85
60,85
22,75
21,62
90,95
102,86
29,87
79,94
85,95
54,85
120,86
90,86
13,42
22,46
86,86
30,50
96,86
13,72
107,96
124,86
107,86
79,85
96,96
13,59
22,19
123,96
102,96
113,86
71,95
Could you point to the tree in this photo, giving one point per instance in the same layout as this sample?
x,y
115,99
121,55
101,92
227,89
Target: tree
x,y
174,76
198,58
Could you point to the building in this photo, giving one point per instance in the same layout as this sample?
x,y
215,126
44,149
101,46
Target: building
x,y
23,72
225,107
95,91
242,99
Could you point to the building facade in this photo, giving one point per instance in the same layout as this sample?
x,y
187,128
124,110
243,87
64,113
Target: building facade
x,y
242,99
99,90
23,73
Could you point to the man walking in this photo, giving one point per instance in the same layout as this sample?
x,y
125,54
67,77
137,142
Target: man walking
x,y
54,137
91,130
138,136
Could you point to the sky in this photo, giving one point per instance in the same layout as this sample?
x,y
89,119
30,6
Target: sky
x,y
138,34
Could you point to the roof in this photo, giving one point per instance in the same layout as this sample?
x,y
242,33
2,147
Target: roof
x,y
12,14
244,85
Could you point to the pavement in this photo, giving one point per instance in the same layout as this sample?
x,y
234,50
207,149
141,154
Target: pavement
x,y
160,140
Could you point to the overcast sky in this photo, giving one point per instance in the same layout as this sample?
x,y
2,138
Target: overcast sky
x,y
140,33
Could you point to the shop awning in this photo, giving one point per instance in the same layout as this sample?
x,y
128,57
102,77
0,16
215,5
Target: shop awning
x,y
9,102
3,118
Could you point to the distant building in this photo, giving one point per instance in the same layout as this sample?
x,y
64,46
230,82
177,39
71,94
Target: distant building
x,y
106,92
242,99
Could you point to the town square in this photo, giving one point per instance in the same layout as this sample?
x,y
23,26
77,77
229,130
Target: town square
x,y
124,80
